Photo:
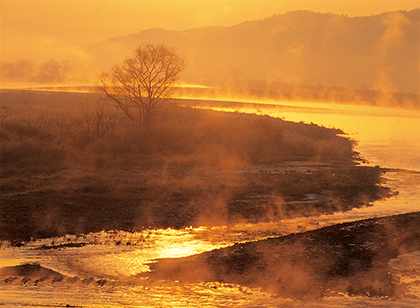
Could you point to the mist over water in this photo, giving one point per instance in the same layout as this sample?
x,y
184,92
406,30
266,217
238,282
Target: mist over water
x,y
271,63
386,137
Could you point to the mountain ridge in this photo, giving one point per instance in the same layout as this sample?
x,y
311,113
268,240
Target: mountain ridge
x,y
379,52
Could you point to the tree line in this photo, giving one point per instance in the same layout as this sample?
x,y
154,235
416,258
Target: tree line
x,y
24,70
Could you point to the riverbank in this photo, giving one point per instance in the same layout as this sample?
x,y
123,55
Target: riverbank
x,y
344,259
180,196
209,168
71,163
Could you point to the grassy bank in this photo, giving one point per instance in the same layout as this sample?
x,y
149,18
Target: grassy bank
x,y
70,163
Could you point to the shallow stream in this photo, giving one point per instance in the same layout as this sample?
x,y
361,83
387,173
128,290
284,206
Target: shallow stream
x,y
386,137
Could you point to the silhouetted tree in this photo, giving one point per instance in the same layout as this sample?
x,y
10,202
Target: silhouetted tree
x,y
140,85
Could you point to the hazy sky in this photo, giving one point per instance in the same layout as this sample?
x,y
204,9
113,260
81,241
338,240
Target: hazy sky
x,y
40,30
106,18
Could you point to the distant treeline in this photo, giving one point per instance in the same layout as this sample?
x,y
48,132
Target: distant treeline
x,y
25,70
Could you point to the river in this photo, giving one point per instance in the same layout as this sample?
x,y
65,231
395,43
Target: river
x,y
386,137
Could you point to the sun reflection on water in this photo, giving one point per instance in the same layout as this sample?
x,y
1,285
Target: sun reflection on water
x,y
387,137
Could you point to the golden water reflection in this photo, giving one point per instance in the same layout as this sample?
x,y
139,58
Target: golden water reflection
x,y
388,137
148,293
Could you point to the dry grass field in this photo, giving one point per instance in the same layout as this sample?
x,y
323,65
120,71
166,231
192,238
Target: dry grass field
x,y
70,163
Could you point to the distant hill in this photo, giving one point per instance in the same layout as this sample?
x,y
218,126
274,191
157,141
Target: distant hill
x,y
380,52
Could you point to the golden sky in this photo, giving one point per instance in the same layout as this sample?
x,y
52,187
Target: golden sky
x,y
40,30
106,18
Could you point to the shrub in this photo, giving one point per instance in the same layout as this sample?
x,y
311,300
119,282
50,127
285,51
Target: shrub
x,y
30,154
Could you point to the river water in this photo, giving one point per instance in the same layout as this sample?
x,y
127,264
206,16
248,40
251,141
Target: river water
x,y
386,137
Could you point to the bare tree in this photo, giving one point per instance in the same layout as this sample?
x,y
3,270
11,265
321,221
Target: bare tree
x,y
140,85
50,71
